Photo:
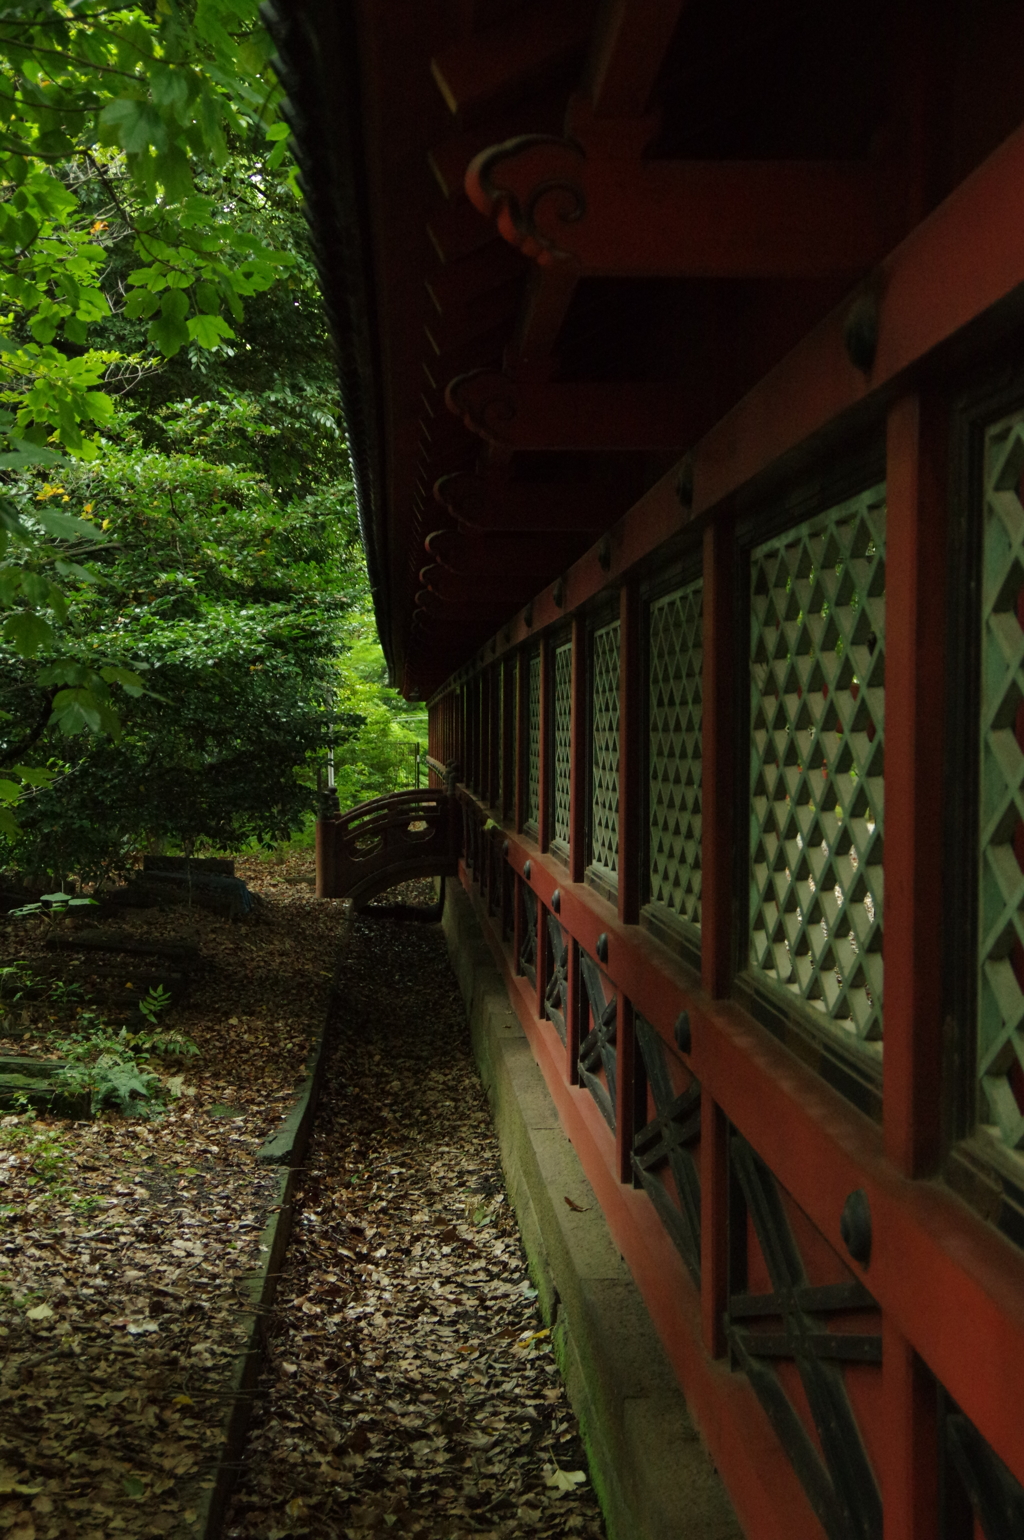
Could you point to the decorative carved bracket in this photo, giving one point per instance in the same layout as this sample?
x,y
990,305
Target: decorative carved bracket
x,y
486,401
618,215
500,556
487,504
533,187
524,414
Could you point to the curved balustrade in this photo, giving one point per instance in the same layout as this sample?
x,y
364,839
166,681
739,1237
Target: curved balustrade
x,y
392,839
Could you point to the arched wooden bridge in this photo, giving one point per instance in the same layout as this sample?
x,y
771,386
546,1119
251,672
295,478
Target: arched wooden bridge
x,y
389,840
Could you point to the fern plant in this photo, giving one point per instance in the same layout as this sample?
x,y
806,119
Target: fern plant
x,y
114,1066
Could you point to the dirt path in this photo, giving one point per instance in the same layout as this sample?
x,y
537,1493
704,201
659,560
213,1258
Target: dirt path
x,y
410,1388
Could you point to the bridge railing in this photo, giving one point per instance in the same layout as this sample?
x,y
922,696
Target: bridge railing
x,y
386,841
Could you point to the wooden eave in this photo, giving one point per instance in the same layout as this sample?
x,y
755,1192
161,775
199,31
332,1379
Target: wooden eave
x,y
560,241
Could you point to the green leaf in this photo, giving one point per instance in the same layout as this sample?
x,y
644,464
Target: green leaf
x,y
208,330
136,125
167,335
28,634
64,526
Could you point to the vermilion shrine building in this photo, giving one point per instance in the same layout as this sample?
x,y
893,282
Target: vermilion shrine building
x,y
682,352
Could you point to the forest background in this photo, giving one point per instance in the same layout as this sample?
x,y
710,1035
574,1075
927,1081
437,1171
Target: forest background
x,y
185,622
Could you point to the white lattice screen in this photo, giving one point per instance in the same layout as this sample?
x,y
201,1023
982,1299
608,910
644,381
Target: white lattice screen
x,y
1001,907
604,802
817,671
562,723
676,662
533,742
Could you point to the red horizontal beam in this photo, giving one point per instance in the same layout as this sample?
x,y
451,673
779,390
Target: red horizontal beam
x,y
933,1260
536,414
617,215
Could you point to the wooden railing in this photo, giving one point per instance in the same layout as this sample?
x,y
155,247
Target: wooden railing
x,y
387,841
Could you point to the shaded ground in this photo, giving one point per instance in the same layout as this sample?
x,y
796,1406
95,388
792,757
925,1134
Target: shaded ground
x,y
410,1388
123,1242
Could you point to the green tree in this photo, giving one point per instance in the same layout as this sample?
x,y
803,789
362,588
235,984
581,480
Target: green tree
x,y
115,129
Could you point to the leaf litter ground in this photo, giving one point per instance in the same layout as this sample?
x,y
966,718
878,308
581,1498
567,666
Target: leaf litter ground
x,y
125,1244
410,1387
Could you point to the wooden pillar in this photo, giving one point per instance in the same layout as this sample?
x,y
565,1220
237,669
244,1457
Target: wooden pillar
x,y
578,756
630,1087
629,754
915,568
576,1005
542,951
912,1092
911,1455
546,747
721,680
518,920
714,1223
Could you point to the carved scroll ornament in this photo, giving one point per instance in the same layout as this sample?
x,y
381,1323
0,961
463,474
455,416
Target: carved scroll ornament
x,y
486,401
532,186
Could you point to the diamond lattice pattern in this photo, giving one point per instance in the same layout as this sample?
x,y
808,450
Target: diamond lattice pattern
x,y
563,742
604,808
817,667
533,742
1001,907
676,654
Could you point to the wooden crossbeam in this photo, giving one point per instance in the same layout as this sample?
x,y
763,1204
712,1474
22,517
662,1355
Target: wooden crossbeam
x,y
621,216
505,61
521,414
489,503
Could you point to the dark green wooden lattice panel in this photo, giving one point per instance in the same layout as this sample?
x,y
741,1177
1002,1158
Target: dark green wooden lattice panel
x,y
676,654
817,673
604,806
563,742
533,742
1001,907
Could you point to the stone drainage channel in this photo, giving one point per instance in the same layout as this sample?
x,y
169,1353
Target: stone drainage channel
x,y
408,1386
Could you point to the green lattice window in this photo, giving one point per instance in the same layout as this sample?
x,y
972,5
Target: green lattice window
x,y
562,723
1001,906
676,662
604,800
817,666
532,812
